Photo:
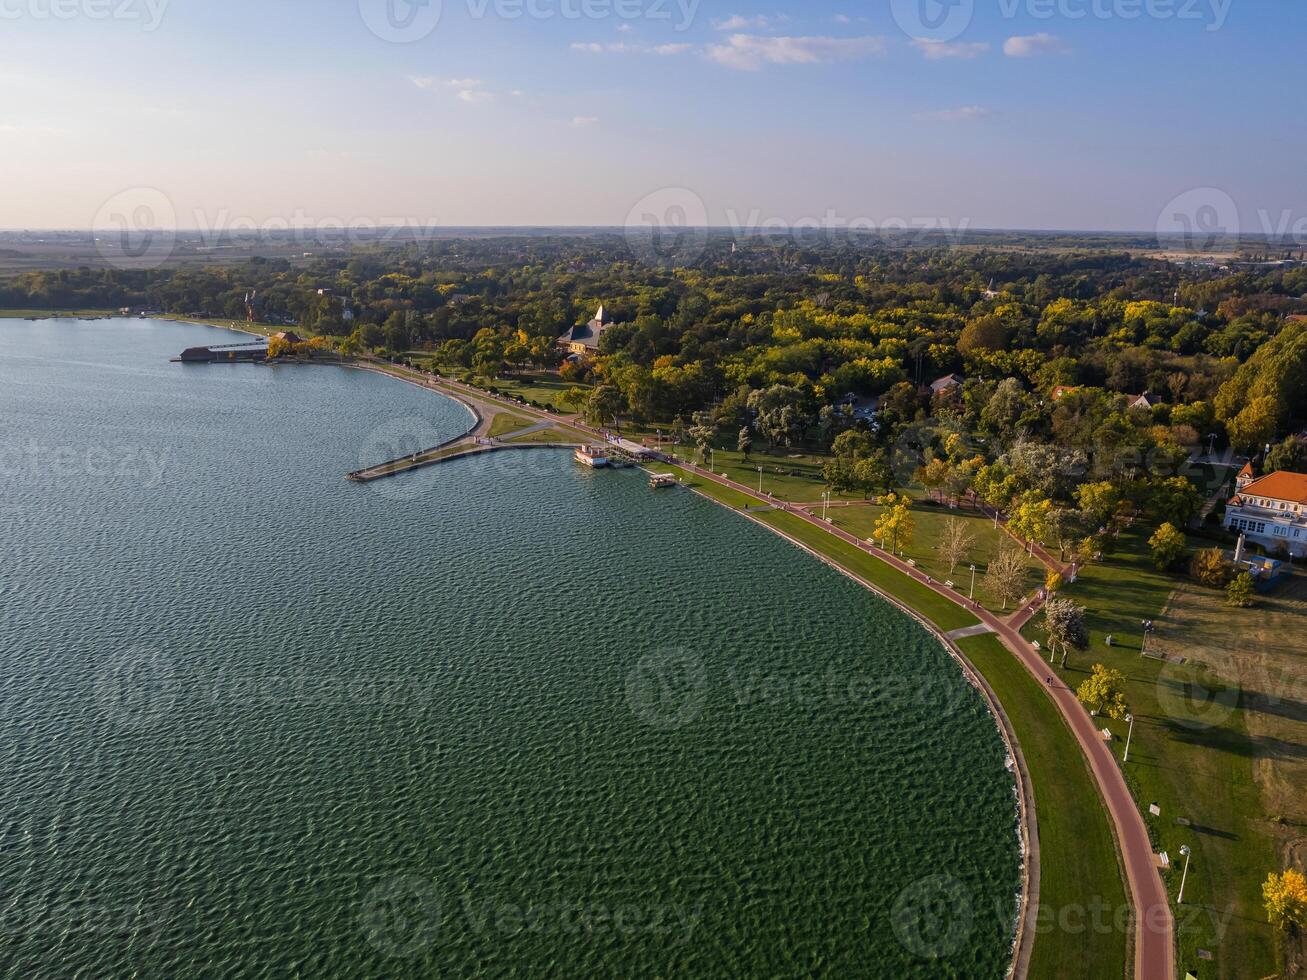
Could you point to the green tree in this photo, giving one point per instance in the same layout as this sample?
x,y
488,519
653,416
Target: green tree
x,y
744,442
1239,593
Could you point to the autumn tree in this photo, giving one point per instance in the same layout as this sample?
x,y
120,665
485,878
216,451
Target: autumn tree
x,y
956,540
1239,593
1168,544
1064,624
1210,567
895,523
1104,692
1286,900
1007,575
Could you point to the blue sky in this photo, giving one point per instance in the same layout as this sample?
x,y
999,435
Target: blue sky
x,y
1014,113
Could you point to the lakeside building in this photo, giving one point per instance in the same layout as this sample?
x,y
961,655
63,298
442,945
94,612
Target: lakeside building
x,y
1271,511
583,339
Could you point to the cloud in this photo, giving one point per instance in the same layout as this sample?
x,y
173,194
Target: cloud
x,y
581,122
749,52
1031,45
470,90
961,114
759,22
938,50
621,47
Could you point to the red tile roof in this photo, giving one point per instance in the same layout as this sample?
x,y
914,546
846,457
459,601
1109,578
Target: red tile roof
x,y
1286,486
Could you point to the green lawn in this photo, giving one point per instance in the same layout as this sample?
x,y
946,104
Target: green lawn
x,y
787,475
49,314
547,436
1193,758
860,520
1078,862
506,422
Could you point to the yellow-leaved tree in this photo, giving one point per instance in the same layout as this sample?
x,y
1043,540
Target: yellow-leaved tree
x,y
1286,899
895,525
1104,692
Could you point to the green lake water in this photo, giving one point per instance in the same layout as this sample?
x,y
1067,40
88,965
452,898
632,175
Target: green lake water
x,y
505,716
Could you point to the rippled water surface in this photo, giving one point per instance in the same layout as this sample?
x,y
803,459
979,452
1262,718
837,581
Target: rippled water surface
x,y
503,717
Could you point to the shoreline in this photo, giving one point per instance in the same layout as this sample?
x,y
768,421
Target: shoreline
x,y
1027,821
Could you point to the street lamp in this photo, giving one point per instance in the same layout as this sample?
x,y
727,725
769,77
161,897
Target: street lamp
x,y
1131,720
972,597
1148,628
1184,849
825,505
759,481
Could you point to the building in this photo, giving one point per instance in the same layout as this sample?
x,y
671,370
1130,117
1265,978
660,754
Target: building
x,y
1061,391
1271,511
947,384
584,340
1140,401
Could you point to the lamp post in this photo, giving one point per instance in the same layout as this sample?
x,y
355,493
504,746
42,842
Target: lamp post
x,y
825,505
972,596
759,481
1185,850
1131,735
1148,629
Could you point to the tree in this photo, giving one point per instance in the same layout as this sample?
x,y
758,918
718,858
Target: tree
x,y
1007,574
1168,544
1032,517
703,432
1104,693
955,541
1286,900
1053,582
895,523
1176,500
575,397
603,404
744,442
934,475
873,473
1239,593
1254,426
1064,624
1098,500
778,412
1210,568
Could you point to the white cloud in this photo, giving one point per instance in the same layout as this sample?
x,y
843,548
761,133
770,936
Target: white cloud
x,y
1032,44
624,28
938,50
961,114
581,122
621,47
759,22
749,52
470,90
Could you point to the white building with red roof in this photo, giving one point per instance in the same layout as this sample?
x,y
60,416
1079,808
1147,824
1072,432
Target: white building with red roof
x,y
1271,511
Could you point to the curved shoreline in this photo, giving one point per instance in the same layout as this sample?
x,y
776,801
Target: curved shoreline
x,y
1027,823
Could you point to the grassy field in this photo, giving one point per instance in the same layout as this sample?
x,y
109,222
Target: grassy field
x,y
49,314
1192,755
860,519
506,422
1078,862
547,436
791,476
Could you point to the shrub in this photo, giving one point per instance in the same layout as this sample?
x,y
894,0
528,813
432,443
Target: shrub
x,y
1211,569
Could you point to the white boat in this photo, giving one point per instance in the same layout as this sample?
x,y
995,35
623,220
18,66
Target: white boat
x,y
595,457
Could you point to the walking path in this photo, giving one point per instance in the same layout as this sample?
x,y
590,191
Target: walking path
x,y
1154,943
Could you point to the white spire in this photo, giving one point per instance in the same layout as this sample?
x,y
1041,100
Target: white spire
x,y
599,317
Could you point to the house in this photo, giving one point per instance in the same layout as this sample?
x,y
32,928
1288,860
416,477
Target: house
x,y
584,340
1140,401
947,384
1062,390
1271,511
290,336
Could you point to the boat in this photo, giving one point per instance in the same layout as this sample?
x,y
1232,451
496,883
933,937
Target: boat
x,y
596,457
662,481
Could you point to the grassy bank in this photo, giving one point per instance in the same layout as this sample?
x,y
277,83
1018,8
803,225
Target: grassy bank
x,y
1079,871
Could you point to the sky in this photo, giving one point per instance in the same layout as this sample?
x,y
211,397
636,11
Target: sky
x,y
1063,114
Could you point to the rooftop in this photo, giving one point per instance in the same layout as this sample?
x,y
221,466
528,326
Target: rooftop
x,y
1286,486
